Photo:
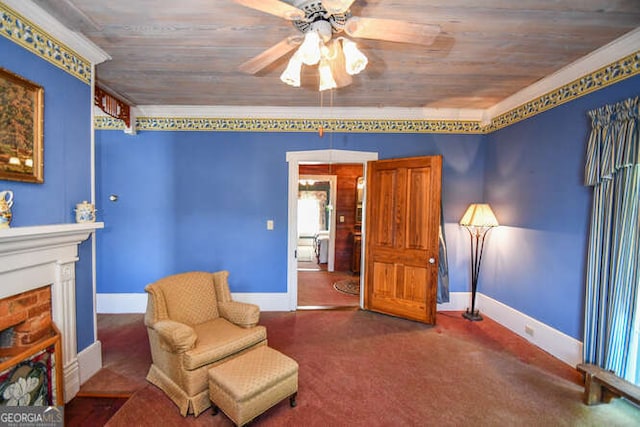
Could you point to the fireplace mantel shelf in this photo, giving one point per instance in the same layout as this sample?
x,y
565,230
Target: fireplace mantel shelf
x,y
37,256
20,238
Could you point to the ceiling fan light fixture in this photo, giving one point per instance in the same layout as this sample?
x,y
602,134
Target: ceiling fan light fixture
x,y
291,74
355,60
310,48
326,77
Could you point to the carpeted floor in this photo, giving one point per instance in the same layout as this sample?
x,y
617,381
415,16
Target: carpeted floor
x,y
360,368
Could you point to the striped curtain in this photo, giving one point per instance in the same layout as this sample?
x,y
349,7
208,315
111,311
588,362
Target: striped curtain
x,y
613,277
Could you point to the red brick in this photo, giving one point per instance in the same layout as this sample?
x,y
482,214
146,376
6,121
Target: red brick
x,y
43,307
12,319
44,294
26,299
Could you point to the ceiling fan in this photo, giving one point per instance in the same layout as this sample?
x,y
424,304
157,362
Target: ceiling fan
x,y
320,25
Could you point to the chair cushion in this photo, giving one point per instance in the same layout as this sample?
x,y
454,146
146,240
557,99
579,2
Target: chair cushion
x,y
190,298
219,338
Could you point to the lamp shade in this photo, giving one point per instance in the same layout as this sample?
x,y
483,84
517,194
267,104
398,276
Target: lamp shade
x,y
291,75
310,48
355,60
479,215
326,78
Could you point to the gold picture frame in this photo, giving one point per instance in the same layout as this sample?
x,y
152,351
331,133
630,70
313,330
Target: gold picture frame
x,y
21,129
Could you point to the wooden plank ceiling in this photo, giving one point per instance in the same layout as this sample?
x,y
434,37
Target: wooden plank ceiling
x,y
187,52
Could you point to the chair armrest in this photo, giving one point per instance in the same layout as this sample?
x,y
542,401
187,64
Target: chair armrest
x,y
175,337
242,314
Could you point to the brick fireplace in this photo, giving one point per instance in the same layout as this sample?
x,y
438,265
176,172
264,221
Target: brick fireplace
x,y
25,319
37,285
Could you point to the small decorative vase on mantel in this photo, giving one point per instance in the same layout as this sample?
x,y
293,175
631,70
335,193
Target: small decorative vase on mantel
x,y
85,212
6,201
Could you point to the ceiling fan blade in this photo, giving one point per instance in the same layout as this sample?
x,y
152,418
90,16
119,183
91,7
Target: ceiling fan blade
x,y
392,30
274,7
270,55
337,6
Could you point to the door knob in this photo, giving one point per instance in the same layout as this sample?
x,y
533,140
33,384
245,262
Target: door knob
x,y
432,260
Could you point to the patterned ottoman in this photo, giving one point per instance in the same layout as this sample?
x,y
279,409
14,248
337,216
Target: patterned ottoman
x,y
251,383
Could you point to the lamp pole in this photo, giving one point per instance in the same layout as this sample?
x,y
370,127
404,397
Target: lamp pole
x,y
477,235
478,220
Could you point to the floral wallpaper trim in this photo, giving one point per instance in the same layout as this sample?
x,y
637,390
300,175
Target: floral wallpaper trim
x,y
613,73
20,30
626,67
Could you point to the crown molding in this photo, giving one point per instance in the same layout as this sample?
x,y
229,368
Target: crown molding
x,y
603,57
24,21
53,28
328,113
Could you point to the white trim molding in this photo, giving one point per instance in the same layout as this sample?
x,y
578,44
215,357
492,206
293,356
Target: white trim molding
x,y
76,41
33,257
90,361
137,302
295,158
608,54
558,344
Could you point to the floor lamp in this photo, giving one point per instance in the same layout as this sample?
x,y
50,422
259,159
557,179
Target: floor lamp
x,y
478,219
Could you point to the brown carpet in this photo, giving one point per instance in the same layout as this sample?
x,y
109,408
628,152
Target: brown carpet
x,y
359,368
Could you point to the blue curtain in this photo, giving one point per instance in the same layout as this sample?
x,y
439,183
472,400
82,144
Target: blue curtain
x,y
613,278
442,295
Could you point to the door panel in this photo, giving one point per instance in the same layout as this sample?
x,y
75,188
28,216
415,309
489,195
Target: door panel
x,y
403,214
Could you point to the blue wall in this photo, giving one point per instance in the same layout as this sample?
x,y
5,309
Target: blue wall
x,y
200,200
534,174
67,164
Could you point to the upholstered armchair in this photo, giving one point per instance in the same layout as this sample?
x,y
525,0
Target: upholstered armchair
x,y
193,325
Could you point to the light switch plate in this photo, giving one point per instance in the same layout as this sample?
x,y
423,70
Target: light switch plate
x,y
270,224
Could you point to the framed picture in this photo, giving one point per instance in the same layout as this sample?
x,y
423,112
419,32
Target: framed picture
x,y
21,129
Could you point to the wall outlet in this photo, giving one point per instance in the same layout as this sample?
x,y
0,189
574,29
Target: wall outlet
x,y
528,330
270,224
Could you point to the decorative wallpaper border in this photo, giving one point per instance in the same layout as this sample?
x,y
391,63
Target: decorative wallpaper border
x,y
23,32
291,125
20,30
613,73
626,67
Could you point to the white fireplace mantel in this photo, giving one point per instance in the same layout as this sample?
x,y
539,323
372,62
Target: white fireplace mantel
x,y
32,257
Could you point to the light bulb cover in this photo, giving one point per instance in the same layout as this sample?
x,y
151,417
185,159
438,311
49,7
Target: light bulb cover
x,y
310,48
326,77
355,60
291,74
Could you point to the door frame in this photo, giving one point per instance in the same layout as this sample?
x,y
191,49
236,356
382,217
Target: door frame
x,y
333,185
295,158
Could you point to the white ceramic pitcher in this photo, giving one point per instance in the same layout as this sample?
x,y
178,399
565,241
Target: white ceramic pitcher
x,y
6,201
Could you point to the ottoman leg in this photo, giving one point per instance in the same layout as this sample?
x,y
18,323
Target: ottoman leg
x,y
292,400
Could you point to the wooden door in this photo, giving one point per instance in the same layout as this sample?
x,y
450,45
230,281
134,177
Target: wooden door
x,y
402,221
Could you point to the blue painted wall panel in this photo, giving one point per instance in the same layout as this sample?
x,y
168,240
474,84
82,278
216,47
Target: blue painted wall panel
x,y
67,163
534,175
200,200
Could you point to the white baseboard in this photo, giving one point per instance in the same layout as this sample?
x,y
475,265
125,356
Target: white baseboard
x,y
90,361
458,301
121,303
137,303
71,380
266,301
558,344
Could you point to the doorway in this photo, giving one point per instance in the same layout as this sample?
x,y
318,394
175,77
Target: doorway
x,y
307,159
316,221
